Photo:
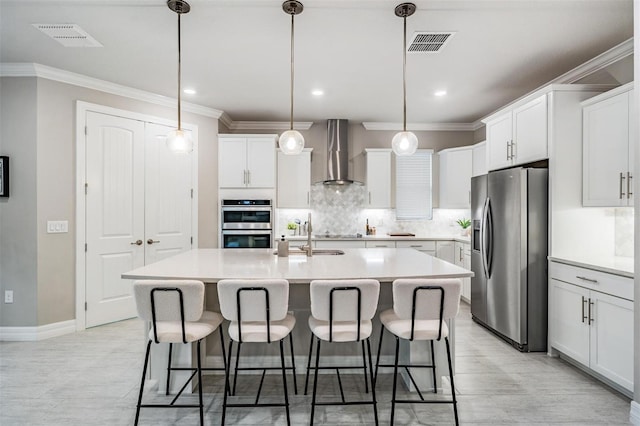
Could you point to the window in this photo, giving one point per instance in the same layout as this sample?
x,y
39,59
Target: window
x,y
413,186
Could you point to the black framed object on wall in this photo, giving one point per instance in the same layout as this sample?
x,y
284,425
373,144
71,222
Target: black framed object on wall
x,y
4,176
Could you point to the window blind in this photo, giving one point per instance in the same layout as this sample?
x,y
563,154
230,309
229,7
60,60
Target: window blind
x,y
414,185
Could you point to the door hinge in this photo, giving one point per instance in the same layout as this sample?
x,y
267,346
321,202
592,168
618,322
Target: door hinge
x,y
86,186
191,192
85,306
85,247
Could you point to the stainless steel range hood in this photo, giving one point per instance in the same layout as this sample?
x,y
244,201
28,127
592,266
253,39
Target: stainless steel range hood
x,y
338,153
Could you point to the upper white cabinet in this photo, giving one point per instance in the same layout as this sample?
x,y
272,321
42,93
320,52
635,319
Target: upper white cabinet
x,y
608,149
455,177
479,160
518,136
294,180
246,161
378,178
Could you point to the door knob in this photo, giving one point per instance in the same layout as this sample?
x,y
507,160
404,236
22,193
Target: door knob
x,y
150,241
137,243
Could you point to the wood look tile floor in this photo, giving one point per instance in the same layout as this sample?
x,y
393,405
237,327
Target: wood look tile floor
x,y
92,378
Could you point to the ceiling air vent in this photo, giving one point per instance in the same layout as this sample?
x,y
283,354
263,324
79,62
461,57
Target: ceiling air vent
x,y
428,41
69,35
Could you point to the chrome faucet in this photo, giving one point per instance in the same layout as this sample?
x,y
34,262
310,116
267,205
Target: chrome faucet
x,y
308,249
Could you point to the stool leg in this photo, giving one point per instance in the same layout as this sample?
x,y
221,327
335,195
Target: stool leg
x,y
284,382
378,355
224,355
395,380
306,380
373,388
453,389
315,381
200,385
169,370
235,372
293,364
364,363
433,362
227,387
144,373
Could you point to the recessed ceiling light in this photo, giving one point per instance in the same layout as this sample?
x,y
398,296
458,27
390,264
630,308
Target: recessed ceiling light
x,y
440,92
190,91
317,92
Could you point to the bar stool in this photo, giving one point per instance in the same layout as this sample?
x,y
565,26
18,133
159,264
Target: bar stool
x,y
257,310
341,311
175,309
420,309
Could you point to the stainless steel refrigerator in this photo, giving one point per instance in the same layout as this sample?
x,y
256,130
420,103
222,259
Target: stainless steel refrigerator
x,y
509,255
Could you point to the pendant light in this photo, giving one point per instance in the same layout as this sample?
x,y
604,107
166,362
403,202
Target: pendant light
x,y
404,143
291,142
178,140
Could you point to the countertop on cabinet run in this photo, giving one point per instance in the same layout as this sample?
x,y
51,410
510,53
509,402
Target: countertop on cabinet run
x,y
383,264
381,237
612,265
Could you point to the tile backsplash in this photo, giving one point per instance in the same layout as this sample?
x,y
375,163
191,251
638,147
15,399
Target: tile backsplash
x,y
342,210
624,232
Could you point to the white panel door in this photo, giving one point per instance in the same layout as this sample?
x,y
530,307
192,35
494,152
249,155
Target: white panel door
x,y
261,162
568,320
530,131
168,201
232,162
294,180
114,215
612,338
498,142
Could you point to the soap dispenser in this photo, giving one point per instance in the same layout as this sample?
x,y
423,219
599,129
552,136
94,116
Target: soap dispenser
x,y
283,247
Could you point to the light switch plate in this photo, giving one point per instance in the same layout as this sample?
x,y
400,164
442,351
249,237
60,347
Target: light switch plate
x,y
57,226
8,296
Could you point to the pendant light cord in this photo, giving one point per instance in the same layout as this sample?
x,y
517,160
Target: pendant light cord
x,y
292,49
179,73
404,76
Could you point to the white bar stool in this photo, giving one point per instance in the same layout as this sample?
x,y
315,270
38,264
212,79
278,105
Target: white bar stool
x,y
175,309
341,311
420,309
258,313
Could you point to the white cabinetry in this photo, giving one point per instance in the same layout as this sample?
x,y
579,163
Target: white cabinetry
x,y
591,320
462,253
479,160
445,250
378,178
608,149
294,180
246,161
380,244
333,244
428,247
519,135
455,177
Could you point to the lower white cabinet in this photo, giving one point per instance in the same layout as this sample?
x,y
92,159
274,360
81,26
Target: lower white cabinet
x,y
592,327
462,253
445,250
428,247
380,244
333,244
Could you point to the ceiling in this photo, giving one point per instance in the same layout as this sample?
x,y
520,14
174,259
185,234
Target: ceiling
x,y
235,53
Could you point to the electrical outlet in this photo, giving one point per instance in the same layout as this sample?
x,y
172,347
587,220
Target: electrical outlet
x,y
8,296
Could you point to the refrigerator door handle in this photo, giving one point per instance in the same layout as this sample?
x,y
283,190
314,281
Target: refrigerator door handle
x,y
489,238
483,238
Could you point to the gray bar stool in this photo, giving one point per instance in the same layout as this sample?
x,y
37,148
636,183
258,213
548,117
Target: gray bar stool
x,y
420,309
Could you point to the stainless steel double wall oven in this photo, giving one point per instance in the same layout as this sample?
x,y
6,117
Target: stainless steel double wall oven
x,y
247,223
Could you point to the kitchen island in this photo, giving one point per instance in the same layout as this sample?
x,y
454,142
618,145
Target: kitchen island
x,y
383,264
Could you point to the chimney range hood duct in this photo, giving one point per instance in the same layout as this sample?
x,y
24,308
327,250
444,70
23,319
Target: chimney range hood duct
x,y
338,153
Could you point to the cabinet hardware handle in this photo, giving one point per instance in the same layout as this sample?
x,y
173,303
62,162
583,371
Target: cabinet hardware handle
x,y
308,200
584,317
369,197
244,177
512,154
380,245
151,241
415,245
137,243
248,177
629,177
508,145
591,280
622,178
591,320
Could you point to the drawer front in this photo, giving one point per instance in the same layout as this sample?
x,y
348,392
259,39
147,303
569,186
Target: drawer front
x,y
333,244
418,245
614,285
380,244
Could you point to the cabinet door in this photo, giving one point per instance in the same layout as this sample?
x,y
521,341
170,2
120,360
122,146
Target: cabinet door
x,y
294,180
455,179
232,162
378,179
380,244
261,162
498,142
605,152
445,251
612,338
479,161
632,144
569,328
530,131
333,244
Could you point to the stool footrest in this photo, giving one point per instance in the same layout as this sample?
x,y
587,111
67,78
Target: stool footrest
x,y
418,401
169,406
346,403
257,405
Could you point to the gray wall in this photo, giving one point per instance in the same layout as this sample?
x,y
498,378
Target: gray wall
x,y
38,131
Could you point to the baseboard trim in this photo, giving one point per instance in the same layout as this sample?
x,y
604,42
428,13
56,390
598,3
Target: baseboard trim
x,y
32,334
634,414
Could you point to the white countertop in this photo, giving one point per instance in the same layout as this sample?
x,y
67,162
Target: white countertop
x,y
383,264
610,264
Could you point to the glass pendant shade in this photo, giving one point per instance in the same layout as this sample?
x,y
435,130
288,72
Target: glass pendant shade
x,y
404,143
291,142
179,141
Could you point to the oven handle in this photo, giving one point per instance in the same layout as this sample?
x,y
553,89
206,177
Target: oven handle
x,y
247,208
246,232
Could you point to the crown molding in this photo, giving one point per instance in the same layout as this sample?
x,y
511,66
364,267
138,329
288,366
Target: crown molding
x,y
446,127
601,61
62,76
264,125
